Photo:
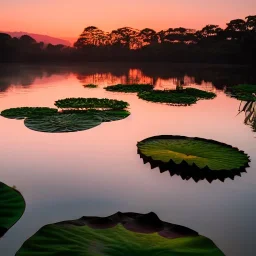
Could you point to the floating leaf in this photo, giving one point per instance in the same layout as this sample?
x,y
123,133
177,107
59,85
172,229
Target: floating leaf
x,y
63,123
90,103
90,86
244,92
193,156
23,112
12,206
130,88
182,97
122,234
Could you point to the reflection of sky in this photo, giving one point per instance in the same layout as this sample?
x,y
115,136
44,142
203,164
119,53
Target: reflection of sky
x,y
98,172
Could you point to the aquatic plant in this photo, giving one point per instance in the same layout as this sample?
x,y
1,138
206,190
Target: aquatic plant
x,y
90,103
181,97
249,108
121,234
129,88
244,92
12,206
23,112
63,123
90,86
193,157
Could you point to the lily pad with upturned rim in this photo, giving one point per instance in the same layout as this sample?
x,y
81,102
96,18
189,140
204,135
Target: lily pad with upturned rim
x,y
62,123
129,88
12,207
23,112
121,234
193,156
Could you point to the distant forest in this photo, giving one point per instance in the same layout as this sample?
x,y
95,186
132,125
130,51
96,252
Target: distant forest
x,y
236,44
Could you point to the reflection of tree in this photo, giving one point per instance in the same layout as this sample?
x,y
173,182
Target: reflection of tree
x,y
249,108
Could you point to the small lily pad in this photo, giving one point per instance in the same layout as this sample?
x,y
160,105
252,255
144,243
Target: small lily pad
x,y
121,234
60,123
129,88
23,112
193,156
91,103
90,86
12,207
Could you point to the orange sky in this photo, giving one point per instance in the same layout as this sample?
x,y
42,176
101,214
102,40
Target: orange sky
x,y
63,18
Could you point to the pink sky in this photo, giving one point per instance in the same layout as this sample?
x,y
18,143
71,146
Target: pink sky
x,y
63,18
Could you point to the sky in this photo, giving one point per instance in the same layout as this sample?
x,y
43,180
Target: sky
x,y
68,18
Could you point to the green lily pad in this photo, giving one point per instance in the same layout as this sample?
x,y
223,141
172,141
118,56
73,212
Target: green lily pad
x,y
182,97
113,115
91,103
90,86
193,156
23,112
63,123
12,207
122,234
244,92
130,88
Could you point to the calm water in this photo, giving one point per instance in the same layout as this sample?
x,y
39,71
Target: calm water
x,y
98,171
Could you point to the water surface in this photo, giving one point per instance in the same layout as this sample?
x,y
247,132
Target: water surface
x,y
98,172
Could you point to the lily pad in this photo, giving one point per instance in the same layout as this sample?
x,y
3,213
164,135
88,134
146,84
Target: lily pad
x,y
182,97
63,123
90,86
90,103
122,234
12,207
244,92
193,156
23,112
129,88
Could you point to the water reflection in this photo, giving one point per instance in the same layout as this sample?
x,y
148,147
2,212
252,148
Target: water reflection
x,y
187,174
163,76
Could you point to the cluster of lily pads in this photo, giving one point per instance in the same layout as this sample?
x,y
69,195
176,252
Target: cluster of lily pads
x,y
180,97
77,114
195,158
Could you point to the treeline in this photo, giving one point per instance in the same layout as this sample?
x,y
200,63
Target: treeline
x,y
234,44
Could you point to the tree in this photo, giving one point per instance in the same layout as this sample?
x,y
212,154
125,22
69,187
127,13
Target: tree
x,y
209,31
251,23
92,36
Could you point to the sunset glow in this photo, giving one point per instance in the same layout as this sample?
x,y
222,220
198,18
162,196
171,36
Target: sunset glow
x,y
62,18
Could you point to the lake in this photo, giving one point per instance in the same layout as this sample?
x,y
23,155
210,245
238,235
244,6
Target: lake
x,y
98,171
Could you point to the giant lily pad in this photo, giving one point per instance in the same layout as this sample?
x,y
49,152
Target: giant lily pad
x,y
91,103
63,123
244,92
23,112
12,206
182,97
130,88
122,234
193,157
